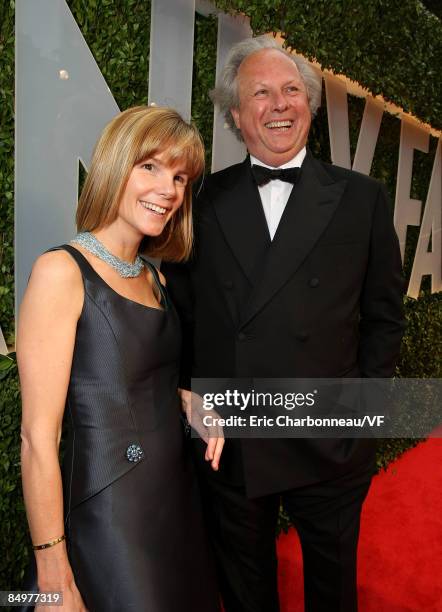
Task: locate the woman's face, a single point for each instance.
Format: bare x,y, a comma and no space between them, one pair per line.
154,192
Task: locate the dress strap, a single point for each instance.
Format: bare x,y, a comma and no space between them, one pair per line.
85,267
159,284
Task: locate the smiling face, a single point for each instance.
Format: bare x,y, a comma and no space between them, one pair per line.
273,115
154,192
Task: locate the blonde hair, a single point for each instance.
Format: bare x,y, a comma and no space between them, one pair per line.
131,137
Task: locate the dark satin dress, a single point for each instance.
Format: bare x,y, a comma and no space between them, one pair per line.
135,533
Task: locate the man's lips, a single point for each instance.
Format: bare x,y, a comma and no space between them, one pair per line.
280,124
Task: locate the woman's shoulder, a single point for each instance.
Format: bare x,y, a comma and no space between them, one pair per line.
55,288
56,267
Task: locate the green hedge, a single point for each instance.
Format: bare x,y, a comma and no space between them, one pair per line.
117,32
7,170
14,537
434,6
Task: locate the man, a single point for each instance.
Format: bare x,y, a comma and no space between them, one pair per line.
288,280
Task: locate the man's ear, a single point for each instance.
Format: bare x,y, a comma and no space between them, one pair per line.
235,114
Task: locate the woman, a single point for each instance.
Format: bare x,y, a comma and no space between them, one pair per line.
121,529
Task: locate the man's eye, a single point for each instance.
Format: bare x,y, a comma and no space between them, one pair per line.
292,89
261,92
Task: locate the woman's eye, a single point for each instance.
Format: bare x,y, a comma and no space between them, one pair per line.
180,179
148,166
261,92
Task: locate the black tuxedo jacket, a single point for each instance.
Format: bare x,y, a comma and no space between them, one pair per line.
323,299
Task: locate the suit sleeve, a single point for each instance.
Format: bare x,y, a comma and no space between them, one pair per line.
382,321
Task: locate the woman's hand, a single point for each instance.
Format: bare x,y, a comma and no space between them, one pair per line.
72,600
212,434
55,576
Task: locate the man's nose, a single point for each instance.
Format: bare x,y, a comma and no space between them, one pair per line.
279,101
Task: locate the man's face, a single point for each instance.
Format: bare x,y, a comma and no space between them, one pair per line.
273,115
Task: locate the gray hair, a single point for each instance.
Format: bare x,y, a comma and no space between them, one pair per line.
225,94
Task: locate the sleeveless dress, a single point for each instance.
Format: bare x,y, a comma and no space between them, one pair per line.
134,527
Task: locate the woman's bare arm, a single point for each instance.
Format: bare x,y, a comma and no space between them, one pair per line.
45,343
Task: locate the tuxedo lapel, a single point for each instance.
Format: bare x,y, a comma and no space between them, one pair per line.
310,208
242,220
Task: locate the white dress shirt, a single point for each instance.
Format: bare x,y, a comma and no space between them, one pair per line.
275,194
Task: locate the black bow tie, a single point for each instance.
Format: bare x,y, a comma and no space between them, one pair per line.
263,175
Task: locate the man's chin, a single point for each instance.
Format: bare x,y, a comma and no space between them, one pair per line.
277,155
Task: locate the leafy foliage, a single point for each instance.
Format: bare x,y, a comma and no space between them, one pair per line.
434,6
7,170
14,537
421,345
203,80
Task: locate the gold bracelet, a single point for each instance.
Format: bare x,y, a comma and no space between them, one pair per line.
49,544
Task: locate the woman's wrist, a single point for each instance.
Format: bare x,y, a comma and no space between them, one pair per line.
49,543
53,567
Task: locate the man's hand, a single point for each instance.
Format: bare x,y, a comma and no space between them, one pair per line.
192,406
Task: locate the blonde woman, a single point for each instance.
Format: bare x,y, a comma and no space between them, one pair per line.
119,528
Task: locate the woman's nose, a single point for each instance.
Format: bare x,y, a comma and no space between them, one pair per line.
167,187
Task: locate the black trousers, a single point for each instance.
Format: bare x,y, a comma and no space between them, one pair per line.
326,516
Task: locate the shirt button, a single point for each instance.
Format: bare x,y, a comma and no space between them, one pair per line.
314,282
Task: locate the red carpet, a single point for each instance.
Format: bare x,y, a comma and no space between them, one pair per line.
400,548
